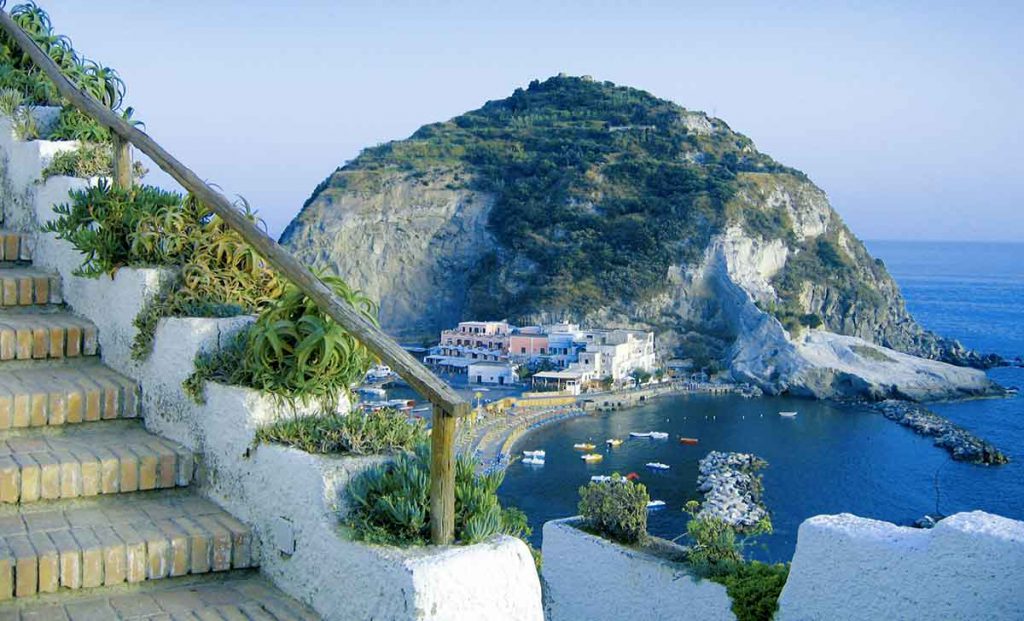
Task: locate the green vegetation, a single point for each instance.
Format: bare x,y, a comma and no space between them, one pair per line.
87,160
293,350
599,189
615,509
824,263
356,433
19,74
218,273
716,553
391,503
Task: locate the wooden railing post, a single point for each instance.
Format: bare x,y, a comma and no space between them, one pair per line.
122,162
442,477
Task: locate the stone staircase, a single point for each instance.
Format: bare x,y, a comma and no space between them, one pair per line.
97,518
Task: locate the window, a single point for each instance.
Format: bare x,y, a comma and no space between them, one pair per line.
522,350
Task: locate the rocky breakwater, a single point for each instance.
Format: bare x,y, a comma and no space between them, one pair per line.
732,489
961,444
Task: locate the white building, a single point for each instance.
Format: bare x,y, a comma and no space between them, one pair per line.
501,373
617,353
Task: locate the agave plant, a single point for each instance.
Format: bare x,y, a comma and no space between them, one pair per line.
296,350
391,502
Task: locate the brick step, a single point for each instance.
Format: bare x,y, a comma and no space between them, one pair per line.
118,539
14,246
116,457
51,334
28,286
38,396
235,596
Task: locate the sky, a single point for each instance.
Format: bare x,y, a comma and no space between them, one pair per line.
908,114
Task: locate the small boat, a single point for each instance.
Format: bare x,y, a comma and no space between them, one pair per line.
592,457
657,465
583,446
688,441
613,442
602,478
639,434
534,461
787,414
656,504
534,454
373,391
632,476
658,435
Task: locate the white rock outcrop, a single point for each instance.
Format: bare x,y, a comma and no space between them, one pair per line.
969,566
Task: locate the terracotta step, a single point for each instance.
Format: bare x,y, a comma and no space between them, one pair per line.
39,335
29,286
237,596
107,542
14,246
38,396
87,461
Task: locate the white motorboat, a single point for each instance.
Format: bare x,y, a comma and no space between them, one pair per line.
534,454
657,465
658,435
787,414
534,461
600,478
656,504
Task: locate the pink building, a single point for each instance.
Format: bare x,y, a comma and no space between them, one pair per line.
528,345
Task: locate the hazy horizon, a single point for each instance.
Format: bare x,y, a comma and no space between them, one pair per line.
907,117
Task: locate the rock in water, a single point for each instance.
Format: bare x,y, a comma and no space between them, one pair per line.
581,200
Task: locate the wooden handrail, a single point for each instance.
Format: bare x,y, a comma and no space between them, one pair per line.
448,405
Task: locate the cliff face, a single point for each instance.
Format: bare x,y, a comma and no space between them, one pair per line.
679,226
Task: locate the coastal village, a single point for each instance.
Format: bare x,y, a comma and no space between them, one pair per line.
198,421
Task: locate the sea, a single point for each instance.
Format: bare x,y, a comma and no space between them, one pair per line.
831,458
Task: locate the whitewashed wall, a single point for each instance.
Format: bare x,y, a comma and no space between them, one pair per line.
594,579
969,566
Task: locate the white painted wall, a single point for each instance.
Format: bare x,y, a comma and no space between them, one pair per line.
589,578
969,566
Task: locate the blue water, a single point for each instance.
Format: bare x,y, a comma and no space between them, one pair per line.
831,458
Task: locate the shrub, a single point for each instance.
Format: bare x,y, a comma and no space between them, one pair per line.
717,554
103,223
754,589
391,503
616,509
88,160
714,548
293,350
356,433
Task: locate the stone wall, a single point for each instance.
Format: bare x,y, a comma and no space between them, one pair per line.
591,578
969,566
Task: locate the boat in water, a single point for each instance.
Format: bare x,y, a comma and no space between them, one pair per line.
592,457
787,414
656,504
541,454
654,435
534,461
606,478
613,442
657,465
690,441
632,476
583,446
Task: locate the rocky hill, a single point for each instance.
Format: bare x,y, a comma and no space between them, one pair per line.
583,200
